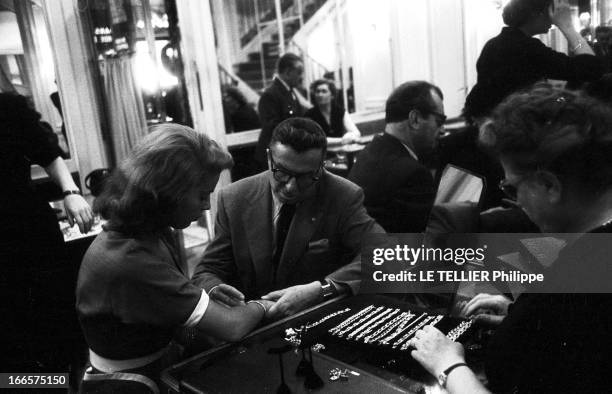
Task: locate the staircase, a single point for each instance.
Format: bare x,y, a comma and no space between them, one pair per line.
259,69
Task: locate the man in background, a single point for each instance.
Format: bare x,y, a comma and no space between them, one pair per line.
398,187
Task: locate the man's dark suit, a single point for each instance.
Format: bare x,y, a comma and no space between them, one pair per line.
275,105
399,191
324,239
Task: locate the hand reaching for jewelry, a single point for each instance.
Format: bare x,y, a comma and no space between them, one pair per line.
434,351
292,299
487,308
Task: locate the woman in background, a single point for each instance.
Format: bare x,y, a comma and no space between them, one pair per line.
133,292
37,305
515,60
556,150
333,119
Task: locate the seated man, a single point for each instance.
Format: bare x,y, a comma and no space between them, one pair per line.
399,189
291,234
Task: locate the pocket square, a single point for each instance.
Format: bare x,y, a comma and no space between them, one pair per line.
319,244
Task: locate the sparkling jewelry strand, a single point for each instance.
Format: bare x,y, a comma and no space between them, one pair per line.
359,322
373,319
384,330
412,331
311,325
351,319
401,329
374,324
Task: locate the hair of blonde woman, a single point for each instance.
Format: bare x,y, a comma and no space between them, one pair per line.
151,182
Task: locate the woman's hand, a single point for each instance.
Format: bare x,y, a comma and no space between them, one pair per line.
560,14
434,351
487,308
79,212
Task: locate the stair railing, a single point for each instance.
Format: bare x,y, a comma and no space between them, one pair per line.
228,78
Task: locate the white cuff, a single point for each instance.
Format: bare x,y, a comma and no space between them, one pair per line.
198,311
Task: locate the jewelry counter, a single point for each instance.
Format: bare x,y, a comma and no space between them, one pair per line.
352,345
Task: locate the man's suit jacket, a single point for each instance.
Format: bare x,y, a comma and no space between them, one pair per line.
399,191
275,105
323,241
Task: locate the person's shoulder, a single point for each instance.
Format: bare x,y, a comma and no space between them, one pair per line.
252,184
338,186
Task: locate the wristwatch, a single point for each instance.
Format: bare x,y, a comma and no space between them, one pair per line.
443,377
328,290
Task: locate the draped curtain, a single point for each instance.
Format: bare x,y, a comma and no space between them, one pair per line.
125,109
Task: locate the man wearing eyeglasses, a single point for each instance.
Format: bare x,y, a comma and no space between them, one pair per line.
398,187
291,234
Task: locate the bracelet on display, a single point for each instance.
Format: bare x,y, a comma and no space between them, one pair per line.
324,319
368,323
384,330
404,326
411,332
351,319
265,310
359,322
389,313
456,332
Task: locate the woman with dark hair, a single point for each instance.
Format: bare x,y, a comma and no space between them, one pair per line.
133,293
514,60
333,119
556,150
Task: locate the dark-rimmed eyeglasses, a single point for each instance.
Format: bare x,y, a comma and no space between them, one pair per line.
303,180
440,118
509,189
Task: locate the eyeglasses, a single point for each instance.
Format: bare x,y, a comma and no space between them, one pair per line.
303,180
510,190
440,118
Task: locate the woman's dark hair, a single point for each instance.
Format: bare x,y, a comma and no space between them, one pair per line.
564,132
156,176
330,85
517,12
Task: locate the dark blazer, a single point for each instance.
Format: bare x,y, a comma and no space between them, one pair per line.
399,191
275,105
324,239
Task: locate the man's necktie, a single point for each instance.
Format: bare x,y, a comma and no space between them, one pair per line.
282,228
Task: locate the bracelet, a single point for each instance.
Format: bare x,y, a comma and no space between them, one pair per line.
260,304
69,192
578,46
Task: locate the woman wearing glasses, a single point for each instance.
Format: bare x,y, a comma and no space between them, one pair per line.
556,150
133,292
333,119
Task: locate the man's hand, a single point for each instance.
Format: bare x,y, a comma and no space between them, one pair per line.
226,295
79,212
434,351
487,308
293,299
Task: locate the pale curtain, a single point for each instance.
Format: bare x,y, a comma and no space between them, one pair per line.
126,114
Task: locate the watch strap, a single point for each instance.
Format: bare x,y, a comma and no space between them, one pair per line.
443,377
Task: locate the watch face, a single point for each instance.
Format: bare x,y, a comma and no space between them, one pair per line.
442,379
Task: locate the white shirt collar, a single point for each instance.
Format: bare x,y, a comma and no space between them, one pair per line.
283,83
411,152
